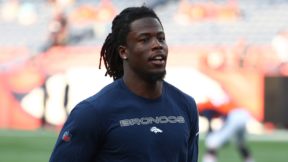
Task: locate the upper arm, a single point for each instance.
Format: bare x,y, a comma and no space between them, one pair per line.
194,133
81,128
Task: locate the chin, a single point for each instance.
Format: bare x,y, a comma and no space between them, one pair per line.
159,76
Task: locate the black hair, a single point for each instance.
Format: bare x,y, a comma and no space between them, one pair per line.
118,36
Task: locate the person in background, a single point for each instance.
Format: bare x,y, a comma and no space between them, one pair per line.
60,33
234,124
139,117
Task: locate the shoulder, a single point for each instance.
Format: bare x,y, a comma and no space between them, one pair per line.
104,101
107,92
188,102
84,113
95,106
175,92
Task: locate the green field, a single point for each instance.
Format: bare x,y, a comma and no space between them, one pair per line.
36,146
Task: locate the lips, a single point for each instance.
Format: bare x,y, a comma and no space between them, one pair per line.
159,59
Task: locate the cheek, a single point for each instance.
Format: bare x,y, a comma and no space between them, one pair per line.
140,52
166,48
137,56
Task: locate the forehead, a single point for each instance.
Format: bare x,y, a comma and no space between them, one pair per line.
145,25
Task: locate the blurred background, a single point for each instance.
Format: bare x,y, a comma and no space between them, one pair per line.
218,50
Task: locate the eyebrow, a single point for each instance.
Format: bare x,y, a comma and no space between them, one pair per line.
148,34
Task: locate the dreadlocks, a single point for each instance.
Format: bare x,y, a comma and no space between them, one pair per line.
120,29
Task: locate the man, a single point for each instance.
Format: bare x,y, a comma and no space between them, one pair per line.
234,126
138,117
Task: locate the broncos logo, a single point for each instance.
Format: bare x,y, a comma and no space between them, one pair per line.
155,130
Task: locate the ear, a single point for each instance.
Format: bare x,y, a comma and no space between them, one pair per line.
122,52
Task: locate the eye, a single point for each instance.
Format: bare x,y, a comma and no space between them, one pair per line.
144,39
161,39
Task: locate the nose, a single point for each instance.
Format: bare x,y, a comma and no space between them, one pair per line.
157,44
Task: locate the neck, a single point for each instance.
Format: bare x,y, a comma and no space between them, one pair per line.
144,88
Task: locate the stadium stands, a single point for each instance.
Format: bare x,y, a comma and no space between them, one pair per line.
255,21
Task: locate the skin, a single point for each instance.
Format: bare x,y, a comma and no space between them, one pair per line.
144,58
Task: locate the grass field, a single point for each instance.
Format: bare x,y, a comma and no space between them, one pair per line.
36,146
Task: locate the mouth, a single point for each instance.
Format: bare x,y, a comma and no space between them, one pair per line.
158,60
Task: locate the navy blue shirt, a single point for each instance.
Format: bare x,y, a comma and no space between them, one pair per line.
116,125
